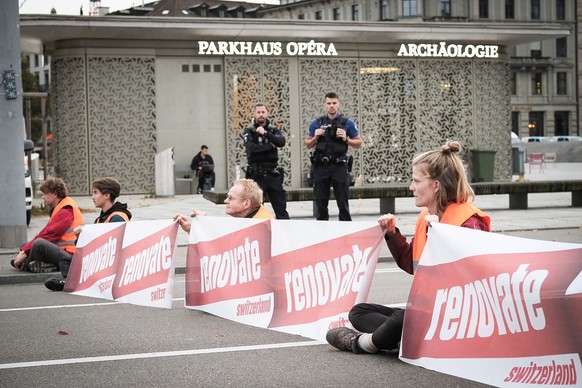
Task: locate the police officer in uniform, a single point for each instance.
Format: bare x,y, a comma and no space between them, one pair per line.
331,135
262,141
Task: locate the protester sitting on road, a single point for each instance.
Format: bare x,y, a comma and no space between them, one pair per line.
440,187
105,191
244,200
53,247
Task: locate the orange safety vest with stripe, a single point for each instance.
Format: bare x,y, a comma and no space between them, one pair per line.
121,214
455,214
67,240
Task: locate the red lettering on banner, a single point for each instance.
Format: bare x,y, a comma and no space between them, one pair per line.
342,322
326,281
149,261
105,285
251,308
158,294
236,266
551,374
99,259
481,307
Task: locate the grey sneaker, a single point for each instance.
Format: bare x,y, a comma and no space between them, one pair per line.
343,338
38,266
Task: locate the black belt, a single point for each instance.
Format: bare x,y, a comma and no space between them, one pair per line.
257,169
321,160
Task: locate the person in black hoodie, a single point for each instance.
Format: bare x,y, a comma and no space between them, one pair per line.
105,192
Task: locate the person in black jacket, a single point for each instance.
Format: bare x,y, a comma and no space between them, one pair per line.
262,141
203,165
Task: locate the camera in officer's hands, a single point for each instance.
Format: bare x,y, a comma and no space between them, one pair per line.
330,130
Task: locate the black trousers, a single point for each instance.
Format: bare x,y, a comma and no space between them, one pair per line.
332,175
272,185
385,323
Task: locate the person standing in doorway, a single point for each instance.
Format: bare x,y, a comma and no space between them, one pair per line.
262,141
331,135
203,165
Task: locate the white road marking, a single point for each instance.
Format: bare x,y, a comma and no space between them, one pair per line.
136,356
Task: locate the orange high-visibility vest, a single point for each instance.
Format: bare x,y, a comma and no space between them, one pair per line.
264,214
67,240
121,214
455,214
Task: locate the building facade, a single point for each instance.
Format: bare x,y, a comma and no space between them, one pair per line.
126,88
544,78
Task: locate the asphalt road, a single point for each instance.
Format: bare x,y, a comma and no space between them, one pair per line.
57,339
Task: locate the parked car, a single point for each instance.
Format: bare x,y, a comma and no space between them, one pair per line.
567,138
536,139
28,146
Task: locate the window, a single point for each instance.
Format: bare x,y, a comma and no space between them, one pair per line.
561,123
318,15
484,9
384,10
536,84
185,68
355,12
207,68
535,9
203,12
537,119
562,47
221,13
513,83
409,7
509,9
536,53
217,68
561,84
336,14
515,122
446,8
240,14
301,16
195,68
560,9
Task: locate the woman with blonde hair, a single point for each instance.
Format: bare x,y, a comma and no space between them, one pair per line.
440,187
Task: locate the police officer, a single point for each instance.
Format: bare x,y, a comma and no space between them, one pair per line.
262,142
331,135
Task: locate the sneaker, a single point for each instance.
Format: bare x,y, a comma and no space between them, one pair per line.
38,266
55,284
343,338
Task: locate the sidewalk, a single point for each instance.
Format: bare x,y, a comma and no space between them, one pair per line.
547,212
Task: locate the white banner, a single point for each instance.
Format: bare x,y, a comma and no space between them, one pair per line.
129,262
500,310
299,277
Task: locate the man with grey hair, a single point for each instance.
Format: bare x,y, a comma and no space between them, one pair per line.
244,200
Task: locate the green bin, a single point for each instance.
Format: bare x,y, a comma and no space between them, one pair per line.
483,165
